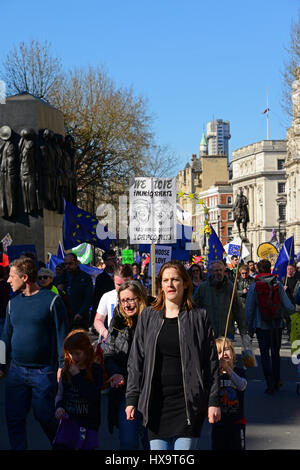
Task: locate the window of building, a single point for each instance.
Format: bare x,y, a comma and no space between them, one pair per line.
229,215
282,212
229,200
281,187
229,230
280,164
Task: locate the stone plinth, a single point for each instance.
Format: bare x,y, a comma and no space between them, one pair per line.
25,110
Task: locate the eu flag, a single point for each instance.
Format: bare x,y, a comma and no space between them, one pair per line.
80,226
285,257
215,247
60,251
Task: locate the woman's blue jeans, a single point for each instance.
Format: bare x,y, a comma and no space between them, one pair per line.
26,387
175,443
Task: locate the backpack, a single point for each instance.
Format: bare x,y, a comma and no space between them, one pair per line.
267,290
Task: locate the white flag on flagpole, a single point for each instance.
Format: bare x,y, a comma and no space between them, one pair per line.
233,248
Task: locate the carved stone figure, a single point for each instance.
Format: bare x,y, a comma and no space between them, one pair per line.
42,165
28,170
241,215
49,169
9,174
71,171
57,143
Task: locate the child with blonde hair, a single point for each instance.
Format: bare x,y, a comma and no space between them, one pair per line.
229,432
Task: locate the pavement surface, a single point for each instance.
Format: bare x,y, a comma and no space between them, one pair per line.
273,422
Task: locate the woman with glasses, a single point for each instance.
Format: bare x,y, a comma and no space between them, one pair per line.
46,278
196,275
173,368
243,283
132,299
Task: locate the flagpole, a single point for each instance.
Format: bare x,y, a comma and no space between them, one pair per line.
153,270
285,282
267,117
232,297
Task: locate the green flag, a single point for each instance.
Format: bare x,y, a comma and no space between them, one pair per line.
127,256
84,253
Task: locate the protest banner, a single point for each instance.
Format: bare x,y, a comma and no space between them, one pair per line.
152,210
163,254
152,214
6,241
127,257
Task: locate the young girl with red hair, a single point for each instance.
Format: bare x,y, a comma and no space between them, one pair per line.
78,401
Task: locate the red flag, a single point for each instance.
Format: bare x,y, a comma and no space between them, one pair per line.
5,260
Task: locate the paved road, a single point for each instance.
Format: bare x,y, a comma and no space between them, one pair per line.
273,421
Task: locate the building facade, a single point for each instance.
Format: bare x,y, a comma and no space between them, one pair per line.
292,167
259,169
218,135
207,178
218,199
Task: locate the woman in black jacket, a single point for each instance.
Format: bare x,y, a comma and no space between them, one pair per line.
173,370
132,297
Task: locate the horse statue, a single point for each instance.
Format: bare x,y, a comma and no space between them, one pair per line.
241,215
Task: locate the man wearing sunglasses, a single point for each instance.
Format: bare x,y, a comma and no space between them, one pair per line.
79,288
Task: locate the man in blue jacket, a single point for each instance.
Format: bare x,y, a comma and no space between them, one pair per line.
79,288
34,330
266,320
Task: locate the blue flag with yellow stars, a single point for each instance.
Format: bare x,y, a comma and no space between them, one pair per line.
80,226
215,247
285,257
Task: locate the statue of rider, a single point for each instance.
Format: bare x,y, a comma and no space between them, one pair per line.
241,214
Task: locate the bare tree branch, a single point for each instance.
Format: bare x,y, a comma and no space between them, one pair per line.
293,61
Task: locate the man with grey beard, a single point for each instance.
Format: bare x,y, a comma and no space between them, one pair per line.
214,295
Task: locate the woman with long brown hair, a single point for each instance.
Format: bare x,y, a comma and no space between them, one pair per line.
173,376
132,299
196,275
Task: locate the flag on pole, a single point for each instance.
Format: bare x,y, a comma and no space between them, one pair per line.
91,270
80,226
285,257
233,248
216,249
60,252
265,111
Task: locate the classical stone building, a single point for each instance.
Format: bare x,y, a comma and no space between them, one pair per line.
292,167
259,170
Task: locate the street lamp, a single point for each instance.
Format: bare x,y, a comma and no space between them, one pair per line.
281,234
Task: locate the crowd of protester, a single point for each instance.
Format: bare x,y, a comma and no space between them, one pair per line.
163,360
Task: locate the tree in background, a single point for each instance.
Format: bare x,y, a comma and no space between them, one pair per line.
33,69
111,126
161,162
111,129
290,66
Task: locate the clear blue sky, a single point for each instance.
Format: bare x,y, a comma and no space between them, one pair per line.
194,61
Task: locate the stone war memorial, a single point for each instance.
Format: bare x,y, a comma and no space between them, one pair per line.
37,172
